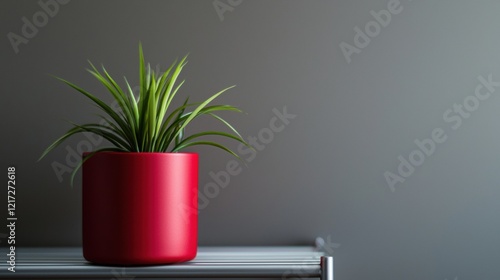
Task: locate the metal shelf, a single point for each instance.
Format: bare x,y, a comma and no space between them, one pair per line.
211,262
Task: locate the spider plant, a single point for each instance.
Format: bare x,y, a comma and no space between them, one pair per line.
145,124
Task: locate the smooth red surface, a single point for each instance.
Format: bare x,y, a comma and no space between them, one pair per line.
140,208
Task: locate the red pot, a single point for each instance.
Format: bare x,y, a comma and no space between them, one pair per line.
140,208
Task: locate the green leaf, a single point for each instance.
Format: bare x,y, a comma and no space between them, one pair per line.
176,125
199,108
146,123
181,134
103,106
209,144
226,123
168,95
105,133
142,77
208,133
60,140
121,98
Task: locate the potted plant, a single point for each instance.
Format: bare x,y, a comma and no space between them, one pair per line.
140,194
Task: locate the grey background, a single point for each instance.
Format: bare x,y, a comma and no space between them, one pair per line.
323,174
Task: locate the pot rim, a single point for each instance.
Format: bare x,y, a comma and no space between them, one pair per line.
143,153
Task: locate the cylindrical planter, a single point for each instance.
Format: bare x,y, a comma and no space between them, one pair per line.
140,208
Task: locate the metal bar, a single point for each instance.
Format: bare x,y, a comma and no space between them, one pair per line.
326,268
212,262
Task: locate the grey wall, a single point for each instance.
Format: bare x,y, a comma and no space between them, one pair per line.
323,174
